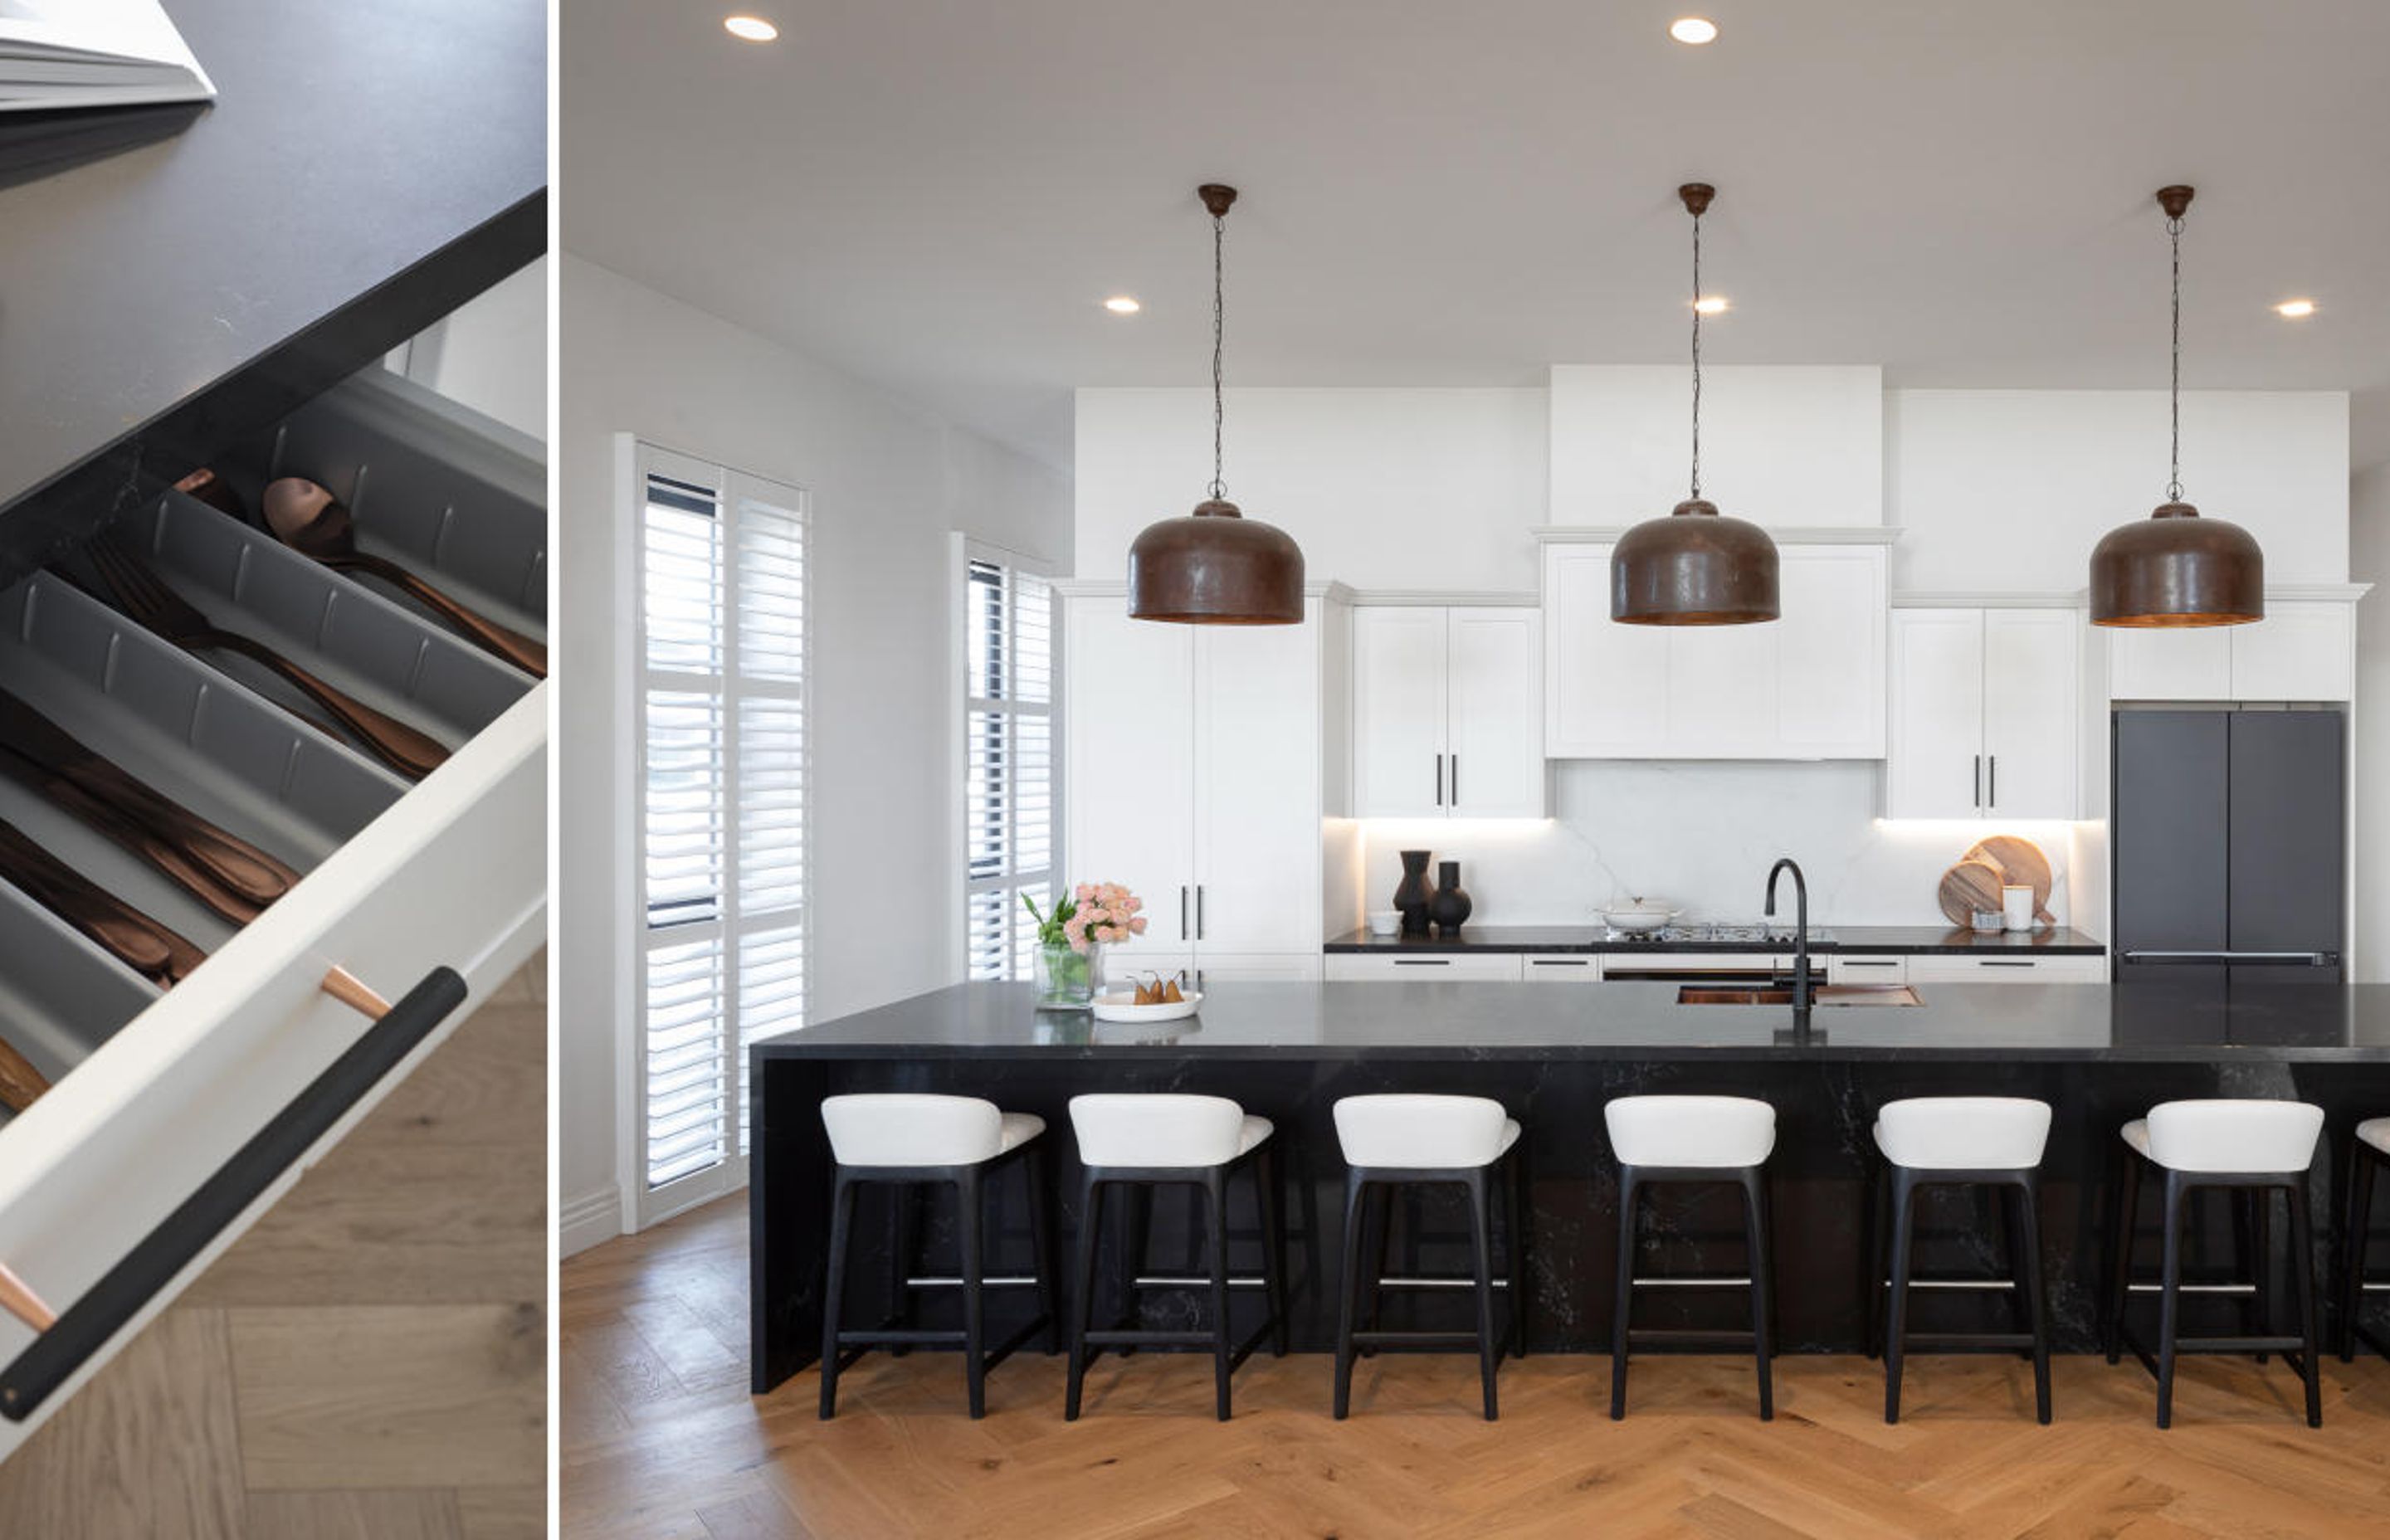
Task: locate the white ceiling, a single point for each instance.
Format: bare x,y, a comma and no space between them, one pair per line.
934,195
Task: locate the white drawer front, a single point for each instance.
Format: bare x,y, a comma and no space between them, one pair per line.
2009,971
1857,970
1348,967
1576,968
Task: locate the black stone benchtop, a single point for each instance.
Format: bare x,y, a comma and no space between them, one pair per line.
2154,1022
1914,940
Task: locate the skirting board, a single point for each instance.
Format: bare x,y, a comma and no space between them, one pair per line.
587,1220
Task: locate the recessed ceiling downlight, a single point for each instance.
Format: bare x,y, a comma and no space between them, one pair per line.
750,29
1692,29
2296,310
1123,304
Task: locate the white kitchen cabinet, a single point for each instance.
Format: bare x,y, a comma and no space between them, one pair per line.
2304,650
1195,774
1347,968
1947,968
1983,713
1808,686
1447,706
1560,968
207,1100
1851,967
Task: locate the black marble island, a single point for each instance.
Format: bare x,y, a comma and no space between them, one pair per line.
2098,1053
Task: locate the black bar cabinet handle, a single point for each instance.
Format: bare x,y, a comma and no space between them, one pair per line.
1456,780
2004,962
1182,911
1979,780
1439,780
85,1327
1423,962
1992,776
1199,911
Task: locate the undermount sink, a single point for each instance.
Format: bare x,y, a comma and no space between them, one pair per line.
1825,995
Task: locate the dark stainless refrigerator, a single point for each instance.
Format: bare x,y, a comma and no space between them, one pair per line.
2229,835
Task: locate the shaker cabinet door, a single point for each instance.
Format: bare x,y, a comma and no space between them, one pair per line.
1398,712
1493,758
2032,688
1257,791
1129,769
1935,767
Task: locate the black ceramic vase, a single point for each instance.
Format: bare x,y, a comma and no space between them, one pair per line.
1449,907
1411,896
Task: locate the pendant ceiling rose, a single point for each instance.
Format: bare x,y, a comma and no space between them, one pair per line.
1695,567
1213,566
2174,567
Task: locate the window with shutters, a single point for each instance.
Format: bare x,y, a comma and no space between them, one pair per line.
1008,760
721,734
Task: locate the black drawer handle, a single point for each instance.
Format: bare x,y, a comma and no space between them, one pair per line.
1560,962
85,1327
1871,962
2004,962
1423,962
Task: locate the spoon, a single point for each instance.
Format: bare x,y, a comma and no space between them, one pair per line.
21,1083
309,520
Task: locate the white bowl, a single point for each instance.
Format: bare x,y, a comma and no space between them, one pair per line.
1638,916
1123,1008
1385,922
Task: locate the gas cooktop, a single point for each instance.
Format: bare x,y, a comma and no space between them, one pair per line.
1754,933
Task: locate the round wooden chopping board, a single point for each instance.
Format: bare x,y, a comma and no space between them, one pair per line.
2022,863
1971,885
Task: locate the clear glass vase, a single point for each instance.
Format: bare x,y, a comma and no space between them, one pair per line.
1068,980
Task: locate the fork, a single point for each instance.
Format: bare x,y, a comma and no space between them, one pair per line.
144,596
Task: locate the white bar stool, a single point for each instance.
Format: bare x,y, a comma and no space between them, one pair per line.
906,1140
2371,1156
2258,1146
1680,1139
1402,1140
1139,1140
1960,1141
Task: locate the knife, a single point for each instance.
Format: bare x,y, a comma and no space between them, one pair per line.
127,935
226,873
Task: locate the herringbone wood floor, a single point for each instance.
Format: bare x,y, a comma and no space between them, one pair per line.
662,1442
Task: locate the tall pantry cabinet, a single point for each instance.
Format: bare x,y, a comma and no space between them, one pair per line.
1198,763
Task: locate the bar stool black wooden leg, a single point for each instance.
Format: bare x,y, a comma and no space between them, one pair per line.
2169,1297
1377,1225
1273,1222
967,1237
1877,1258
2302,1279
1216,1197
1481,1236
1623,1309
1041,1238
2028,1232
2363,1165
901,1252
1083,1294
1895,1330
1762,1292
2120,1275
842,1219
1518,1207
1348,1306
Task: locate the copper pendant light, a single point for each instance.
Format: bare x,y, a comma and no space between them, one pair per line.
1216,567
1696,567
2174,567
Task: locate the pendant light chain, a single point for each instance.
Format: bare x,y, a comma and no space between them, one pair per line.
2174,481
1219,313
1697,357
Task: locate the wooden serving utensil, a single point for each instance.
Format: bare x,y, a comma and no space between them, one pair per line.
215,491
19,1299
309,520
1967,887
21,1083
2021,865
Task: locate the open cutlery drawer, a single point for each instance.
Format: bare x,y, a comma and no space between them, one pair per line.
176,1112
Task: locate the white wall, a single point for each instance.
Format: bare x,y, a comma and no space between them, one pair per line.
1383,488
1780,446
1701,835
2368,561
490,352
2011,489
888,484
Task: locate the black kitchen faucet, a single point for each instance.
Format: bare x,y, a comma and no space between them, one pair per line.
1800,936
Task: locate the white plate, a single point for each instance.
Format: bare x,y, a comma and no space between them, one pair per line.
1118,1007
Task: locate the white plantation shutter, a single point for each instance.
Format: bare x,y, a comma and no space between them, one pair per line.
1008,760
722,828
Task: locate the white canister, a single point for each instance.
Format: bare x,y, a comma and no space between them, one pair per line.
2017,902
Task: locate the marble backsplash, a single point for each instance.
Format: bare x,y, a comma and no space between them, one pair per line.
1703,834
